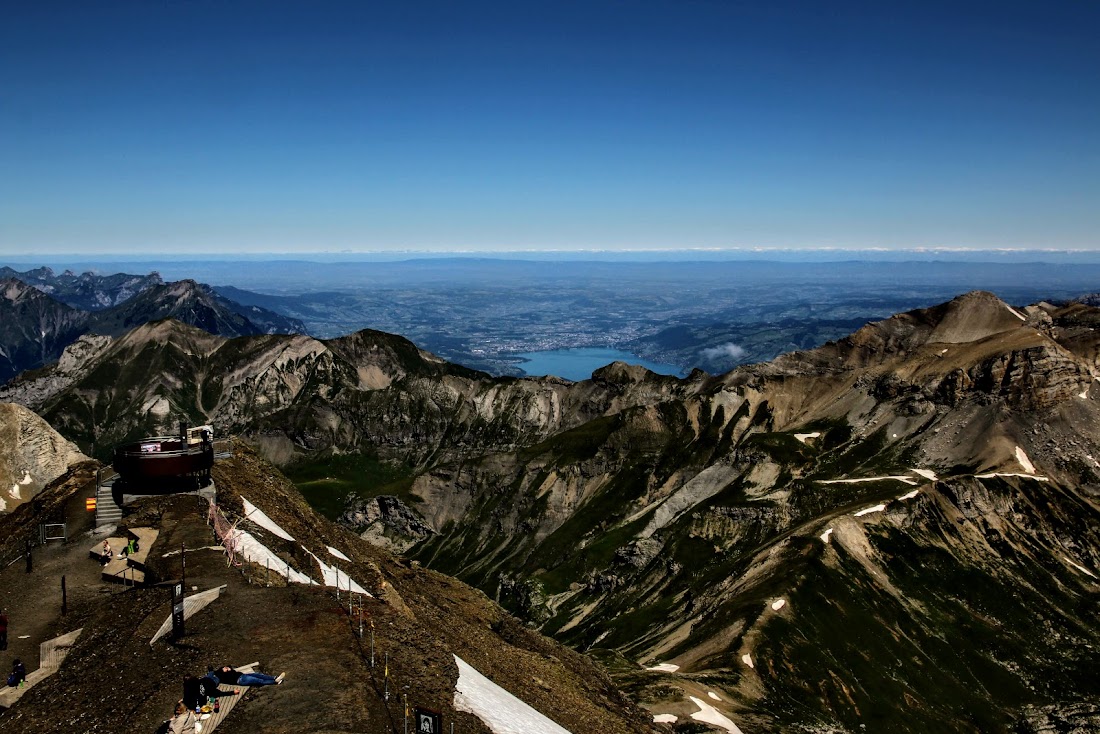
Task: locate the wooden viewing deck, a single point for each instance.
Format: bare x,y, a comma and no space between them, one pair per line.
51,654
126,569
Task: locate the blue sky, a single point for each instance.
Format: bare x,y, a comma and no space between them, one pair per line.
220,126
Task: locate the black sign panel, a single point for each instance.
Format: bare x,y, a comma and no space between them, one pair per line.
428,722
177,611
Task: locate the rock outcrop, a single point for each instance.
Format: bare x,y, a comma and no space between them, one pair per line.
33,455
385,521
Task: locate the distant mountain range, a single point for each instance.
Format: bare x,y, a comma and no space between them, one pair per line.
42,313
87,291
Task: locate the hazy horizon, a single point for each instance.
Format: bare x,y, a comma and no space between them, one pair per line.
641,255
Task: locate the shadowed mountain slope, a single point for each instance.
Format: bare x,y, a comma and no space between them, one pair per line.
34,328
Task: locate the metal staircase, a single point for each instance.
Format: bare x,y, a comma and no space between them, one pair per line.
106,511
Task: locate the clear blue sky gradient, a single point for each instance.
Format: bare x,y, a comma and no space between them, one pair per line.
219,125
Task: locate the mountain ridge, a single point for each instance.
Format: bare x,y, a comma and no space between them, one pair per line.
37,327
849,509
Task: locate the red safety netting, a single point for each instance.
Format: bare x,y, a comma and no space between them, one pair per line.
226,532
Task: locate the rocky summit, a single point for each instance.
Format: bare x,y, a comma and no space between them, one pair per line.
896,531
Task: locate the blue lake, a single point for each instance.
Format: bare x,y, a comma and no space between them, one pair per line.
578,364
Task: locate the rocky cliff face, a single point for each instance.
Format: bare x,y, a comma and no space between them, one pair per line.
896,530
33,455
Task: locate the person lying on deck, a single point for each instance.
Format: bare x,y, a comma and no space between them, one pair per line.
230,677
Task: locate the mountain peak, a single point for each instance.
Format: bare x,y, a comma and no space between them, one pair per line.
15,290
973,316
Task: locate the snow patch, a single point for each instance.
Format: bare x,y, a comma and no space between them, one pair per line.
158,406
907,480
825,536
869,510
498,709
910,495
15,492
926,473
990,475
664,718
747,660
711,715
1079,567
778,604
256,552
3,505
332,576
1016,313
665,668
337,553
1084,394
943,352
713,695
699,488
803,436
1024,461
26,478
257,516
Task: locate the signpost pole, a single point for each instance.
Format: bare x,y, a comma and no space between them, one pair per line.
177,611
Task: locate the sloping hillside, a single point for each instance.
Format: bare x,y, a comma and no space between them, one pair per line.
114,681
868,533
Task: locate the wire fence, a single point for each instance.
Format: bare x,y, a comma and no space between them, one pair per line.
356,607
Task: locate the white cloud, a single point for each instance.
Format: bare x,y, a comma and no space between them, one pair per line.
729,350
